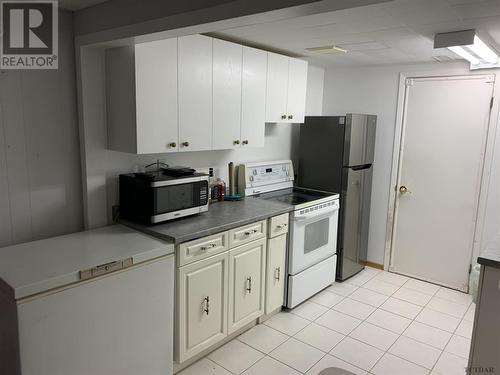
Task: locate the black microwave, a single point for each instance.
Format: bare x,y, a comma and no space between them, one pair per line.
150,198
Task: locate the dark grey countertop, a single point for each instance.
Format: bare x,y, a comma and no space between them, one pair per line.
490,256
221,216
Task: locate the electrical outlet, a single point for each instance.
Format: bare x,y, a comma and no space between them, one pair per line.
204,170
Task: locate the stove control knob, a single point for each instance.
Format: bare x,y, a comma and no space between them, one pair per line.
254,172
251,178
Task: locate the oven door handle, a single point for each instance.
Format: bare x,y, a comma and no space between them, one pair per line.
315,214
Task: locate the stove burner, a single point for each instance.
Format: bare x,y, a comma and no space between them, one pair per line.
295,196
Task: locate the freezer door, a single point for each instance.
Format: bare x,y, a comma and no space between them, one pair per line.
354,220
320,153
359,142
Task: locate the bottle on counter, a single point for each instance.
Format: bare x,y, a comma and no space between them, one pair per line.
213,186
221,189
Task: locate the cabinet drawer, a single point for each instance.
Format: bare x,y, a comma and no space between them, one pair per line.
202,248
247,233
278,225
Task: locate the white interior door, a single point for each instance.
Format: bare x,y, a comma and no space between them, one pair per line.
444,132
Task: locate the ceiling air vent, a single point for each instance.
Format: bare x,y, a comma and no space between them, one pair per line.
327,49
443,58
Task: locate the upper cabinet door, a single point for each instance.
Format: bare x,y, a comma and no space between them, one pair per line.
195,93
253,97
297,86
277,87
156,96
226,94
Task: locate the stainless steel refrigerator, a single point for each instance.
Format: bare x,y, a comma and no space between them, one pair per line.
336,155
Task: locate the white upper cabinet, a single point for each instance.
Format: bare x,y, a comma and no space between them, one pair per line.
253,97
195,92
141,87
277,87
226,94
286,89
297,86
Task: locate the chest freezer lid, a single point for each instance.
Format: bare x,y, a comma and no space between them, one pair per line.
38,266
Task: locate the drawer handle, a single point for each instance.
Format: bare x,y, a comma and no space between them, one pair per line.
206,301
277,273
281,226
211,246
253,231
249,285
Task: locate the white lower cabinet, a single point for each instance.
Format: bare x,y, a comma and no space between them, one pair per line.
275,273
201,305
219,294
247,268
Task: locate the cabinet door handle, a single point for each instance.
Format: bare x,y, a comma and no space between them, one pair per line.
249,284
245,142
290,117
185,144
211,246
283,117
206,302
253,231
237,142
281,226
277,273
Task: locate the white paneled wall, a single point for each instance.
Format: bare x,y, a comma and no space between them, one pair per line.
40,179
374,90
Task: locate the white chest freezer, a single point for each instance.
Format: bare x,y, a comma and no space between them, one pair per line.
98,302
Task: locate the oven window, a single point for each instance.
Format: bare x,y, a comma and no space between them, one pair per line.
316,235
174,198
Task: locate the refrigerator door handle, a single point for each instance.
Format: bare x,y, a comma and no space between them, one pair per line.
361,167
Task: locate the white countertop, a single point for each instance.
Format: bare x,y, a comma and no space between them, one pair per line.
38,266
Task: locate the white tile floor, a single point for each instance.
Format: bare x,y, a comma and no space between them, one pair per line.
375,323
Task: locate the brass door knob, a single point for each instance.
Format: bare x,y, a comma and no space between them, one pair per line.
237,142
185,144
245,142
172,144
403,189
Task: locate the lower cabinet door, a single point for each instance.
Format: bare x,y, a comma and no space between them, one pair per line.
201,318
276,273
246,283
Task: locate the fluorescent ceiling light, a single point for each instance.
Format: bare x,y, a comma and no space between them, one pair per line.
469,46
464,54
483,51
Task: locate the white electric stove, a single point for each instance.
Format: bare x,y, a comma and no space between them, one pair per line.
313,226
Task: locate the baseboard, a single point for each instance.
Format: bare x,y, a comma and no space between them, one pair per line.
374,265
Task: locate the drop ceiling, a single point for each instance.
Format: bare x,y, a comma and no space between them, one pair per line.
395,32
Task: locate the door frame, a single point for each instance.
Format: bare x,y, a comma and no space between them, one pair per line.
397,148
